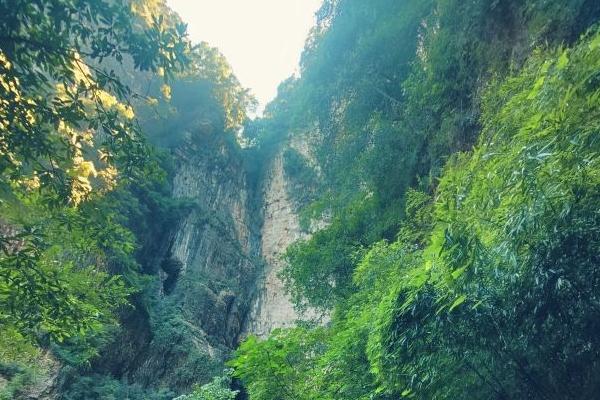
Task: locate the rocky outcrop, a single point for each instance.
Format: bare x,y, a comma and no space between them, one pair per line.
272,307
207,270
215,269
206,266
215,244
45,384
39,382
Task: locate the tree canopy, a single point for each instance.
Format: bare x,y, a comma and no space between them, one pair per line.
68,137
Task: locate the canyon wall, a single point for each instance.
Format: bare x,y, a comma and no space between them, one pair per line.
213,271
215,245
272,307
204,269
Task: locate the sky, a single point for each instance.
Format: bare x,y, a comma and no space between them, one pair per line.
261,39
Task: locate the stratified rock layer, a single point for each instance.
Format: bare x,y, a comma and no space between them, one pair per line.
272,307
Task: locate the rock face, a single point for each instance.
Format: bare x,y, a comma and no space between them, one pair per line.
44,387
272,308
220,268
42,384
206,263
233,242
215,269
215,244
207,269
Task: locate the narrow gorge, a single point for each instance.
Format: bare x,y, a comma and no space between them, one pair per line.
217,267
412,214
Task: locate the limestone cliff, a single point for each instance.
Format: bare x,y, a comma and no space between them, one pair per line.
203,268
214,245
272,307
215,270
207,269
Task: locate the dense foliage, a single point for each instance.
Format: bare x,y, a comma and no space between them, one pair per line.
67,137
459,172
86,89
155,353
419,103
218,389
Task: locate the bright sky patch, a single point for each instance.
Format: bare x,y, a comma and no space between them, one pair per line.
261,39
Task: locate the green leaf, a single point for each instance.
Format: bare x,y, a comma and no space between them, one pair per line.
461,299
480,302
536,88
563,61
458,272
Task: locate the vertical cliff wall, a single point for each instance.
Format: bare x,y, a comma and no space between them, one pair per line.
204,268
208,270
214,246
214,272
272,307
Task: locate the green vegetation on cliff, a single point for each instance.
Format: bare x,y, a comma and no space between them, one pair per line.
459,151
